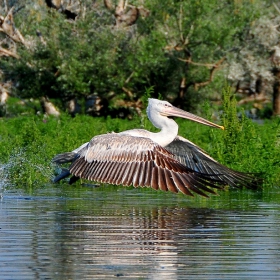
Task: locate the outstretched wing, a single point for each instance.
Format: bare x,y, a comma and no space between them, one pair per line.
70,156
138,161
193,157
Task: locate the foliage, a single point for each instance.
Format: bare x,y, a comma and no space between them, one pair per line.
248,146
175,43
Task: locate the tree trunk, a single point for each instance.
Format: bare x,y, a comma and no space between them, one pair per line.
276,95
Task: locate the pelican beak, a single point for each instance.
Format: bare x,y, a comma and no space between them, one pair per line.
176,112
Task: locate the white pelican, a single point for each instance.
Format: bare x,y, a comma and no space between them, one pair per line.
161,160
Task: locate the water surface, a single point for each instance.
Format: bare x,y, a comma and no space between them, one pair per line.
66,232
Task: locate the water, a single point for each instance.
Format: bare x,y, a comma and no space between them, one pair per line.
68,232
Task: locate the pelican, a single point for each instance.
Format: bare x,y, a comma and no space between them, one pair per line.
162,160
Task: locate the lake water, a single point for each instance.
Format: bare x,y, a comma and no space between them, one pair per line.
68,232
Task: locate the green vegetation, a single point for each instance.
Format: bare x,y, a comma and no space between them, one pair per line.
29,143
185,50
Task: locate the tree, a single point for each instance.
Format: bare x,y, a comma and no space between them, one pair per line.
255,64
113,51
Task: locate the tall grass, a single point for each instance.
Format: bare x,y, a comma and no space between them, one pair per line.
249,146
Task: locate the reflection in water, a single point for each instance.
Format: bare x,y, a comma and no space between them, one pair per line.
135,237
130,241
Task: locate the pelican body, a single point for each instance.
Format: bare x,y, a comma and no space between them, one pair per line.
161,160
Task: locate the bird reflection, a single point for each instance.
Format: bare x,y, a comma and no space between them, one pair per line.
125,240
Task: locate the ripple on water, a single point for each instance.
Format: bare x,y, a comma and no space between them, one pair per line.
82,233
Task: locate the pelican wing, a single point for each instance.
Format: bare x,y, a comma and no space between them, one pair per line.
70,156
193,157
127,160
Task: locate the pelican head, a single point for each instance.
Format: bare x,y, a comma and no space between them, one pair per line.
157,108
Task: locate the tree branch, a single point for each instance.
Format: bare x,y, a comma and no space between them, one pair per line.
128,92
7,26
212,71
215,65
4,52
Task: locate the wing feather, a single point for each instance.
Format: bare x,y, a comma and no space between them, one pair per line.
148,172
96,169
143,173
128,174
193,157
169,182
162,180
154,180
180,185
129,178
136,175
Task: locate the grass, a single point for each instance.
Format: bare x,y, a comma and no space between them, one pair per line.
28,143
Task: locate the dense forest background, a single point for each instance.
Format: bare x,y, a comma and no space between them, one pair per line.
106,57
